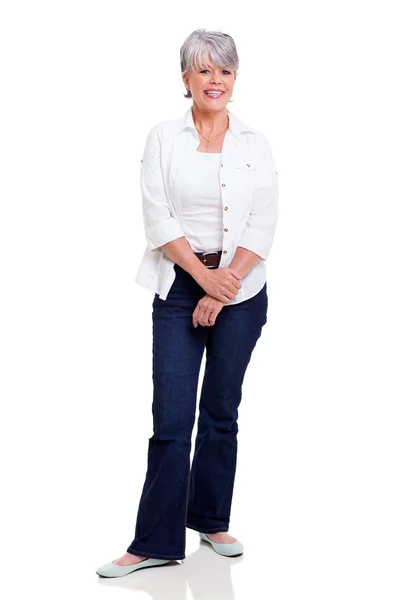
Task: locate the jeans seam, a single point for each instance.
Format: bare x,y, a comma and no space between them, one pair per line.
209,531
179,556
173,395
187,503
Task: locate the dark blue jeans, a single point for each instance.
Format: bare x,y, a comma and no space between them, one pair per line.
176,495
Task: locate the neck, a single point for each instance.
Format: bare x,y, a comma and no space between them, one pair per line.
210,122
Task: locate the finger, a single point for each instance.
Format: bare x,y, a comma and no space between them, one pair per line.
206,316
230,294
234,273
202,318
222,294
234,285
223,299
210,318
229,288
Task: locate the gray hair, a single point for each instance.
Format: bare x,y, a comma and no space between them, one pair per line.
200,43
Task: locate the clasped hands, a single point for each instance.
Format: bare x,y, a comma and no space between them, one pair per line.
221,286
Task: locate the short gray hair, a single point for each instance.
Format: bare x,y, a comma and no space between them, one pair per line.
200,43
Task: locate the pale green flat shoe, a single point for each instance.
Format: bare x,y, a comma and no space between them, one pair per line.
113,570
234,549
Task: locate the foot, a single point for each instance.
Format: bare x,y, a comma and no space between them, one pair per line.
222,537
129,559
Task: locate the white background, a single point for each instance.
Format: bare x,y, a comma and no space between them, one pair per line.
317,487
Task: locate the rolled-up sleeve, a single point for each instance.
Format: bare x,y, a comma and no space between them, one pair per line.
261,224
159,224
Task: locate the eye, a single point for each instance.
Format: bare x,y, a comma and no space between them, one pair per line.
224,71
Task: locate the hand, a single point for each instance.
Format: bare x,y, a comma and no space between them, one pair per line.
222,283
206,311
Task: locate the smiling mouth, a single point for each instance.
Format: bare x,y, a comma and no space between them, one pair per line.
214,94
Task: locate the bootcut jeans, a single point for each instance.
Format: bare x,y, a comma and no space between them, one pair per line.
176,494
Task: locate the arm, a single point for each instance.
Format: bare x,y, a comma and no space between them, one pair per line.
180,252
261,225
244,261
164,233
159,225
223,284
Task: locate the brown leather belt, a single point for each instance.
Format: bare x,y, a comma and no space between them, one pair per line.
210,259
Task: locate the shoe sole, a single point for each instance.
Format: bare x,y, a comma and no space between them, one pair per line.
114,570
220,548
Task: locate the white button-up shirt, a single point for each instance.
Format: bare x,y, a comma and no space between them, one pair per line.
249,199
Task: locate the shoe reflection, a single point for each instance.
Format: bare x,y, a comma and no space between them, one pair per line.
202,575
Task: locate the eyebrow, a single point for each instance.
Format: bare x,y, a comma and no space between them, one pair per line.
224,67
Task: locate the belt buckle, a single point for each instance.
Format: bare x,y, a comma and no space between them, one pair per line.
204,253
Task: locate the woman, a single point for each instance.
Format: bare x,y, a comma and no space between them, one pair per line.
210,208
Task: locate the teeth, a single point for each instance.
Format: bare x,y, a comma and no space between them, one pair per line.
214,93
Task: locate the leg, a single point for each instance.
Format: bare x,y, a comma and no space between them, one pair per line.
177,353
229,344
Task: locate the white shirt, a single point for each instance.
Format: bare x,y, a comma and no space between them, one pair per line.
201,205
249,198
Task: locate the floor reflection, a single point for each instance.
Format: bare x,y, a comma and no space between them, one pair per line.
203,574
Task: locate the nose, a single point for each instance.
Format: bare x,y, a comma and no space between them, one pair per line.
214,77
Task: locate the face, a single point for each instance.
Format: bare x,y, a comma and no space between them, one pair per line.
216,78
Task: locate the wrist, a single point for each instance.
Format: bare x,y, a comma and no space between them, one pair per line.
198,271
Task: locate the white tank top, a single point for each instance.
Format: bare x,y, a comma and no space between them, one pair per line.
201,203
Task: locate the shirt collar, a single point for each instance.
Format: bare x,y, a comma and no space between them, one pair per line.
236,126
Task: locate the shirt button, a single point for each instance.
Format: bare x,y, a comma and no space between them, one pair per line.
222,164
226,229
225,208
223,185
248,165
225,251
